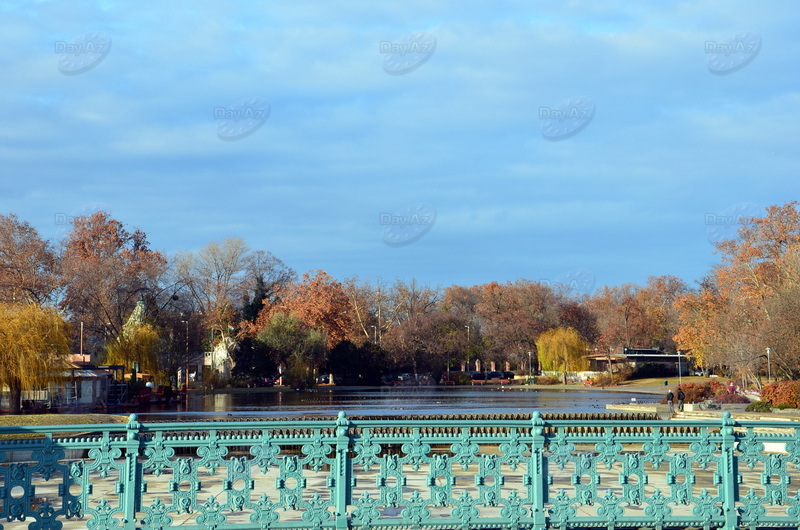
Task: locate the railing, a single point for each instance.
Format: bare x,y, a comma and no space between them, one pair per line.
409,473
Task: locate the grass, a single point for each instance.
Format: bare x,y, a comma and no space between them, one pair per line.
33,420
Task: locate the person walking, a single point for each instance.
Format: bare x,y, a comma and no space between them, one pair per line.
681,398
671,401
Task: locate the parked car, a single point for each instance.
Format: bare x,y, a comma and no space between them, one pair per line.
508,377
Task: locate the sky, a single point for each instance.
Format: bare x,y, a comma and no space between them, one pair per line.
575,142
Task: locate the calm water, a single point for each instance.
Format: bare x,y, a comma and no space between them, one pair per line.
391,401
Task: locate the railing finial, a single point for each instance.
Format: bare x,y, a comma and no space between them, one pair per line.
342,423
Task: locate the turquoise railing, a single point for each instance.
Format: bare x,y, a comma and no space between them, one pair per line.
403,473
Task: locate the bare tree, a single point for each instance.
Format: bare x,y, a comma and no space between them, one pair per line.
107,269
28,264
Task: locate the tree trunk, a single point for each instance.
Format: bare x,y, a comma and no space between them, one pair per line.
15,396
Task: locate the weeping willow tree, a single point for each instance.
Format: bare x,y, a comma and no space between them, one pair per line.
562,349
140,343
34,349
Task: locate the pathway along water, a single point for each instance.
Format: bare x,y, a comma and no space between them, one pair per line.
390,401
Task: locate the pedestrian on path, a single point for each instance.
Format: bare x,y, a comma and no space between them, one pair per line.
671,401
681,398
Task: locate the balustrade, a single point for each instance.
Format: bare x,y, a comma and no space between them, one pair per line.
403,473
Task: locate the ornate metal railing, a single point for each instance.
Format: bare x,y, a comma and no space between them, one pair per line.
409,473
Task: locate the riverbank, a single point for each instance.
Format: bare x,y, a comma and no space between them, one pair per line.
32,420
643,386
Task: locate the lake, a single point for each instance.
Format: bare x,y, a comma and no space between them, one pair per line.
390,401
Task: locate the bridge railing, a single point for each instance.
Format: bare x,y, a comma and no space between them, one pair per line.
405,473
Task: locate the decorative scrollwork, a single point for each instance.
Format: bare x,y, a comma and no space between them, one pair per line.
366,451
157,515
366,511
317,452
416,451
465,449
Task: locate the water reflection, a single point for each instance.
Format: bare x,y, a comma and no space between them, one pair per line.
392,401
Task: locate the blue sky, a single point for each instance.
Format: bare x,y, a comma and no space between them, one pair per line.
583,142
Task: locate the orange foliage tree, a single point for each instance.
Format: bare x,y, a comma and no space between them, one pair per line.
513,315
747,303
319,301
28,264
107,269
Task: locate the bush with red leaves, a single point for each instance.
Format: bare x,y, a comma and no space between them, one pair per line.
730,399
782,394
698,392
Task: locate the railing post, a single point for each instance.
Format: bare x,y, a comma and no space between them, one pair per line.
730,475
131,479
342,488
537,472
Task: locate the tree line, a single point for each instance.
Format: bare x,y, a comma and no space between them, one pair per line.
105,292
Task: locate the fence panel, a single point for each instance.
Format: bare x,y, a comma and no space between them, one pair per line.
445,472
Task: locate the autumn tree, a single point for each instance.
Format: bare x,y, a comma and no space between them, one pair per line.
782,332
228,282
297,346
751,305
407,300
138,342
214,278
265,276
319,301
562,349
107,269
657,298
512,315
28,263
34,342
754,263
428,341
572,314
697,332
367,311
461,301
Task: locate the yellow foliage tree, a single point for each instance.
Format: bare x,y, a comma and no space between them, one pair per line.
562,349
34,349
698,317
138,343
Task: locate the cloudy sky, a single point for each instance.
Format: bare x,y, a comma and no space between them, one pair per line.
584,142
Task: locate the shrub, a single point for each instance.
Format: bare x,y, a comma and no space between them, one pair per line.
547,380
759,406
786,393
605,379
602,380
730,399
460,378
697,392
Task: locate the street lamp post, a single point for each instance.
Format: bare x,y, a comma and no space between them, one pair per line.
769,367
467,365
529,367
680,375
375,331
186,360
